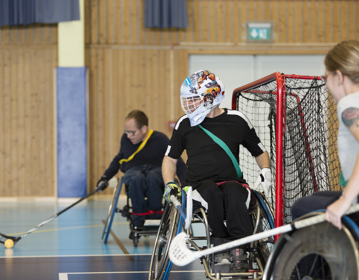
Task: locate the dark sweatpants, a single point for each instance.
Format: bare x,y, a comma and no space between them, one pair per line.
227,200
317,201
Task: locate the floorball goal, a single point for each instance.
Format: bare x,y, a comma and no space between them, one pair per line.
295,118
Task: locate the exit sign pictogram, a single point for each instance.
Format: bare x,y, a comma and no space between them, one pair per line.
259,31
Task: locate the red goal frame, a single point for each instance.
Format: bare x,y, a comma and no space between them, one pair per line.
280,80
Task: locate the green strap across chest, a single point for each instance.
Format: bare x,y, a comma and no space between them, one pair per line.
226,149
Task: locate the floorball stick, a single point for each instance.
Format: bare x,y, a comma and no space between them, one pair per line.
178,205
181,255
187,217
10,241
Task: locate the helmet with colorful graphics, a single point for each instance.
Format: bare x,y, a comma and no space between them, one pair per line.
201,92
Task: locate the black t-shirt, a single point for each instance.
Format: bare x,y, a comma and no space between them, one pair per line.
206,159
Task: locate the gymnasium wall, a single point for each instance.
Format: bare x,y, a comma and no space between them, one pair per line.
28,57
132,67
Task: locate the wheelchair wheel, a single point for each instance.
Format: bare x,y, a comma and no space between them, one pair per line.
111,212
160,263
262,219
316,252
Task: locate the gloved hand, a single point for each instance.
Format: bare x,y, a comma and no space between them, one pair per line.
102,184
171,188
264,181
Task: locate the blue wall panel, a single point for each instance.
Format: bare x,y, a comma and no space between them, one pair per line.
71,132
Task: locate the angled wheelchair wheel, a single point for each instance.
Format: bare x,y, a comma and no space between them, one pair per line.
160,263
316,252
262,219
111,211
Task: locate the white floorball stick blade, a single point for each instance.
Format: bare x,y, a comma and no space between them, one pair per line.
181,255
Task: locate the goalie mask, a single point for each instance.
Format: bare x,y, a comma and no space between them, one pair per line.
200,94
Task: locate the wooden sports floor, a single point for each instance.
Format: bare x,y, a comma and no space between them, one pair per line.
70,246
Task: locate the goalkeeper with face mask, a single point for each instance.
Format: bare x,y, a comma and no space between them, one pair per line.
212,137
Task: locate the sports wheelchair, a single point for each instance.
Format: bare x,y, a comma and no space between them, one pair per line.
319,251
149,228
172,223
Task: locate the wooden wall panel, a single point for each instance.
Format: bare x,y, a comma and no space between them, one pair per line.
26,67
28,56
300,22
6,97
336,20
35,34
333,161
352,20
2,125
28,120
27,117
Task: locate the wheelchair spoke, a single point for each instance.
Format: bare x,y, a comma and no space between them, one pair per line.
313,265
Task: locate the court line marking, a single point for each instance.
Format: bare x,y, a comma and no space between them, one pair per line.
67,256
119,243
64,275
67,228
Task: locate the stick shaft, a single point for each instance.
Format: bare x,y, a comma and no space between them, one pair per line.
265,234
178,205
321,218
244,240
58,214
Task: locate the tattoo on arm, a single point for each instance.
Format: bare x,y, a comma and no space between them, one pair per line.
351,116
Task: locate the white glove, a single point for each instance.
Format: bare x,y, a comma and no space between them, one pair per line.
264,182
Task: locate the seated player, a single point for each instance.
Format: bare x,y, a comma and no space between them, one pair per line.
140,159
342,81
213,172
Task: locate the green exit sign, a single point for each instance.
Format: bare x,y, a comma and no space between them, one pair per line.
259,31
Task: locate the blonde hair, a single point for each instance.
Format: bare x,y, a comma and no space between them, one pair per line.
345,58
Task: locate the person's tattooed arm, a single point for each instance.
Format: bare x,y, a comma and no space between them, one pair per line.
350,118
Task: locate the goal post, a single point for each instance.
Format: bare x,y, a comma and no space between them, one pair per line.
294,116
